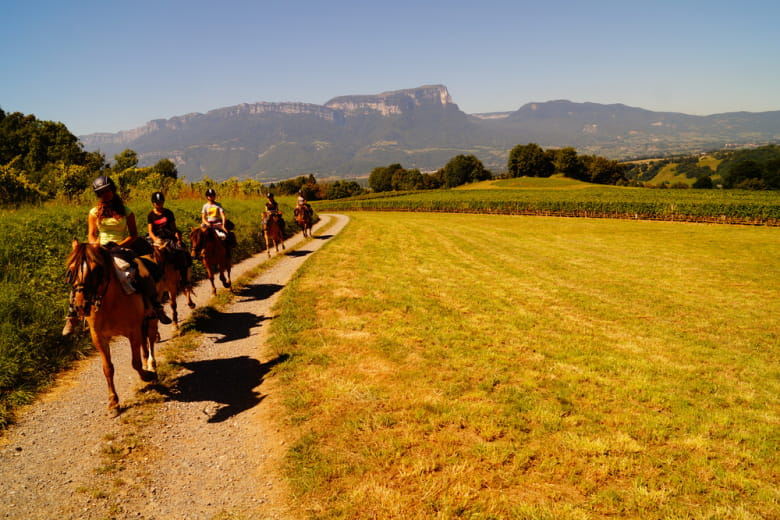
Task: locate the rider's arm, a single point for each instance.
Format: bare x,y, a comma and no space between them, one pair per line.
132,231
93,233
224,219
151,233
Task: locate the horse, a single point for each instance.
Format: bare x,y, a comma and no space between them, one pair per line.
175,278
272,231
214,254
304,220
99,298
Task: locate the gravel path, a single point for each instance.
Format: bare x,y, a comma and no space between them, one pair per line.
202,447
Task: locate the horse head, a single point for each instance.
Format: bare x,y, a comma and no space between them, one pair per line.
88,270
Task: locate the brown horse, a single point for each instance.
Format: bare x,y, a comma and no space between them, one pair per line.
304,220
214,254
272,231
99,298
175,278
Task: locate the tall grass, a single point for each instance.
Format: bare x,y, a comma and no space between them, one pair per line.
33,292
451,366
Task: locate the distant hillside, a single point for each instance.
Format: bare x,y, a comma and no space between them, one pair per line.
419,128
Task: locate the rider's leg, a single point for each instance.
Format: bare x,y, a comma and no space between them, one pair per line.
149,290
72,319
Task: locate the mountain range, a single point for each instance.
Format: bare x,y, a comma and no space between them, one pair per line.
420,128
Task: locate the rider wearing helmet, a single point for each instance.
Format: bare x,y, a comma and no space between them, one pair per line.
213,216
162,222
162,230
112,225
271,209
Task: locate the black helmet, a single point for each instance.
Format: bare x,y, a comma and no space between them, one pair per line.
157,196
211,193
103,183
270,195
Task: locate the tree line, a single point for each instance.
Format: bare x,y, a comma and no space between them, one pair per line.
528,160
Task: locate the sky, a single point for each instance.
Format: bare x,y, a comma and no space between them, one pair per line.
112,65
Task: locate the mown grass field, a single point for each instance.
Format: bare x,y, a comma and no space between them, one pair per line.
492,367
559,196
34,294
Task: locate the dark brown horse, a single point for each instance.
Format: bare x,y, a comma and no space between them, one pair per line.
175,277
304,219
272,231
214,254
110,312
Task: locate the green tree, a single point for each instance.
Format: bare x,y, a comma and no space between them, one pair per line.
127,159
568,163
166,168
529,161
703,183
462,169
381,178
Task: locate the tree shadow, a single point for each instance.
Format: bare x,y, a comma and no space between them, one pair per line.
230,383
256,292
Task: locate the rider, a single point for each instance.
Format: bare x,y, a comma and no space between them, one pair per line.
272,208
213,215
161,223
303,205
112,225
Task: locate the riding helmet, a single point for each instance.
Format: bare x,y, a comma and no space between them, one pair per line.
211,193
103,183
158,197
270,195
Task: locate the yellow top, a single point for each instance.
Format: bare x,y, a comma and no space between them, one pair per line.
111,229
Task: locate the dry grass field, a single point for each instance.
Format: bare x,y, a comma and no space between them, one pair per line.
491,367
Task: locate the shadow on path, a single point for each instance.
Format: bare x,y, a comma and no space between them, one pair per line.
260,291
231,325
298,253
230,383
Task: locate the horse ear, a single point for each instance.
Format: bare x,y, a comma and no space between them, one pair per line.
75,243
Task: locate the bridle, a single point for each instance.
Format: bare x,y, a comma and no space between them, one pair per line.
89,283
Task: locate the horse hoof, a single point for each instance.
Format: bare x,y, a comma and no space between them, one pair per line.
114,411
191,305
148,376
226,284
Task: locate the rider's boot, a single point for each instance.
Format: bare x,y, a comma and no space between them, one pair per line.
150,291
70,325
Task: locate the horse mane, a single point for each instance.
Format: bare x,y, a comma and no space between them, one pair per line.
85,253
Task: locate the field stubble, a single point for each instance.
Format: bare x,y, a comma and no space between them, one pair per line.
512,367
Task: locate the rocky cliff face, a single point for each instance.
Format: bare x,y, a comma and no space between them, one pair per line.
419,128
393,103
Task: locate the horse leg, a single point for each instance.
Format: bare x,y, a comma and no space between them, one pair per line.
267,245
150,333
108,371
174,309
142,342
190,303
210,274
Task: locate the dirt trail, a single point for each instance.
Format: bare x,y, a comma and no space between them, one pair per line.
207,450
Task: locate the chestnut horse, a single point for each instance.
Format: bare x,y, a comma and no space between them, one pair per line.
99,298
272,231
214,254
175,278
304,220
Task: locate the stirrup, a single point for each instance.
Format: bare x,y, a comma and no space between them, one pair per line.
161,316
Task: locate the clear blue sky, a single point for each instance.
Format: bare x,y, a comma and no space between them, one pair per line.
110,65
